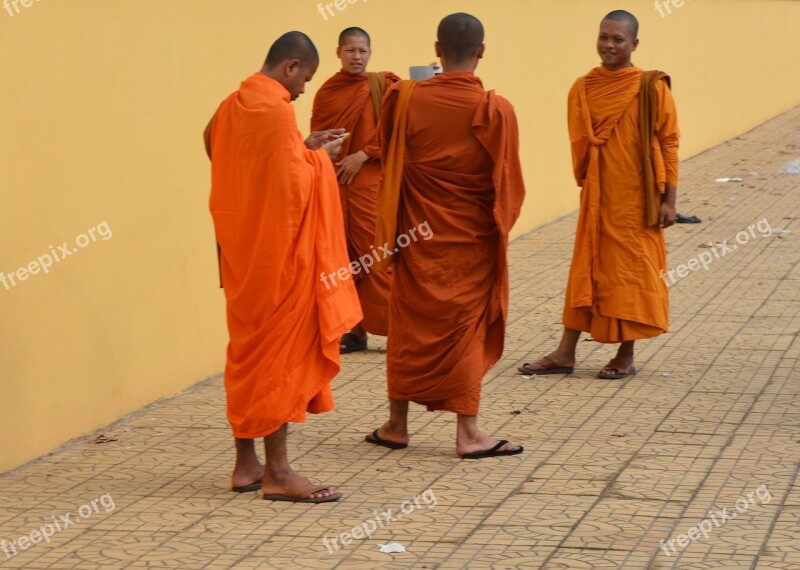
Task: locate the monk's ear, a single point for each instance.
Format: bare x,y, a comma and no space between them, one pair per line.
292,67
635,44
438,49
339,52
481,50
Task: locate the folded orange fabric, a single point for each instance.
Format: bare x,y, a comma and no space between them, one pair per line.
278,221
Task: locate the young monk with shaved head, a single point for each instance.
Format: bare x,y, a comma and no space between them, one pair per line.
278,222
624,133
351,100
451,160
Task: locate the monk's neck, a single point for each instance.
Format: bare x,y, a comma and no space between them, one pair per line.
468,68
618,67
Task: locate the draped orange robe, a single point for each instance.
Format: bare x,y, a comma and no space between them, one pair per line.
461,175
278,222
614,290
344,101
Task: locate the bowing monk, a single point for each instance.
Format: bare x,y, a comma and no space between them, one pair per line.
351,100
451,161
278,222
624,134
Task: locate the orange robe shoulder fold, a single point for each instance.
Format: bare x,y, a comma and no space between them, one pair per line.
345,101
278,222
615,289
461,184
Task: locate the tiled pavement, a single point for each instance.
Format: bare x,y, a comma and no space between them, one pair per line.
611,468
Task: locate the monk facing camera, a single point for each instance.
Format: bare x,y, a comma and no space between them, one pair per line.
351,99
451,159
624,133
278,222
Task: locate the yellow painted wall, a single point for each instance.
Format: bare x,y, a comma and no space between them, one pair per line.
102,103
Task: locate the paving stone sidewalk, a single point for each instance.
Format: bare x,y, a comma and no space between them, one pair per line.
708,430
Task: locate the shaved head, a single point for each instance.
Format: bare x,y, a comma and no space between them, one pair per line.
348,32
627,18
460,37
293,45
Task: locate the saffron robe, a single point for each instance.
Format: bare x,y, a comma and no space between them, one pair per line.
278,222
615,291
345,101
461,175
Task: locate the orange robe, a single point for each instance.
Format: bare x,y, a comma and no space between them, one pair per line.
461,175
278,222
614,290
344,101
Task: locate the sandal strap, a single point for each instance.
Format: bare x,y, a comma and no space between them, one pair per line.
296,491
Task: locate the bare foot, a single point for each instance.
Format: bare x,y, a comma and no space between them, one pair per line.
245,475
478,442
292,484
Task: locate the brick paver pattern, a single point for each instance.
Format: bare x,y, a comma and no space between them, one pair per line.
610,470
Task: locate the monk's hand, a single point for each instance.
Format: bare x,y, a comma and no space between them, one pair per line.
668,212
318,138
333,148
350,165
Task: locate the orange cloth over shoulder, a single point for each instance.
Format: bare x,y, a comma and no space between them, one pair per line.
461,193
278,221
344,101
615,289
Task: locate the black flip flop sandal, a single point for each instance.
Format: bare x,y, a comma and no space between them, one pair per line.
378,440
494,452
351,344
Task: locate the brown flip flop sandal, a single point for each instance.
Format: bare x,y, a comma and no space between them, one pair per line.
301,492
550,367
617,374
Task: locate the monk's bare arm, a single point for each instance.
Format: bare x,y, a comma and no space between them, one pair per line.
668,138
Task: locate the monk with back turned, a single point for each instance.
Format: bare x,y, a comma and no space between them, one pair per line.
451,161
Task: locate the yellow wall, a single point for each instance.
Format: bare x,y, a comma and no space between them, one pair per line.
101,107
